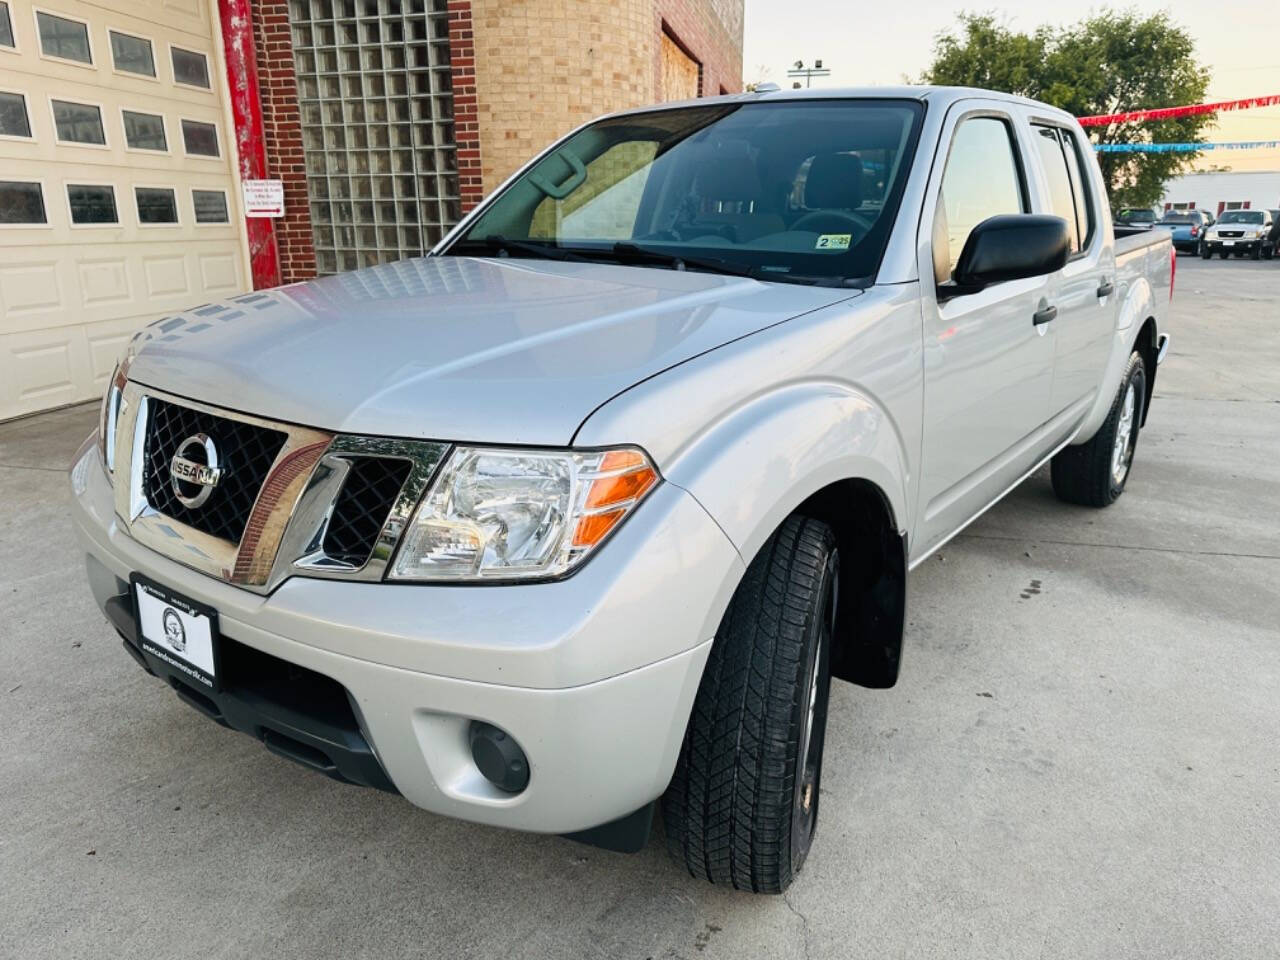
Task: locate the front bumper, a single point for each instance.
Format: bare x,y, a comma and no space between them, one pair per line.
1247,244
594,676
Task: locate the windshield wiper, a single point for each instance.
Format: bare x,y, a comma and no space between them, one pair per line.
635,252
500,244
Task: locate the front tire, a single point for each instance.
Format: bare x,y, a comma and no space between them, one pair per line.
1093,474
1205,252
743,803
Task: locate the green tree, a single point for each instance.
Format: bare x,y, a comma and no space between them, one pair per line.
1108,63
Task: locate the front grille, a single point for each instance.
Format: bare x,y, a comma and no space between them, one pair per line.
362,507
245,454
1231,233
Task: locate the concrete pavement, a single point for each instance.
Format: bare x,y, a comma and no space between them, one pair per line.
1080,759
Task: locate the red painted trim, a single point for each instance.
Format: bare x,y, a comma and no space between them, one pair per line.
246,110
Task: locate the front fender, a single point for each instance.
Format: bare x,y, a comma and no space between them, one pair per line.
753,467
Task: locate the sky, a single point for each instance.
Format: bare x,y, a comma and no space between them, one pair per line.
1238,42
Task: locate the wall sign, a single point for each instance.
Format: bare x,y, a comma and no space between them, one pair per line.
263,198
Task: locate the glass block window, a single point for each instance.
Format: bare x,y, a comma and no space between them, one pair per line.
14,121
189,67
376,101
6,26
78,123
132,54
210,206
21,202
63,38
92,203
144,131
156,204
200,139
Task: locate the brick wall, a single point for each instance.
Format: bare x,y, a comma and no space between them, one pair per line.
282,127
542,67
466,126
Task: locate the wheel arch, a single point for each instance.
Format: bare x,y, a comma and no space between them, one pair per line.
1148,346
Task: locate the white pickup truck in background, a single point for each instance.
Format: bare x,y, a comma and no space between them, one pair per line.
582,513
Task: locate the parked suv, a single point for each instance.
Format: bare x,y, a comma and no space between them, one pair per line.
582,513
1241,232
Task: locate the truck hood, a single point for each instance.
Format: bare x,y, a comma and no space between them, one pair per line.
506,351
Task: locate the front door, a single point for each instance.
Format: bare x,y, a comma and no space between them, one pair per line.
988,365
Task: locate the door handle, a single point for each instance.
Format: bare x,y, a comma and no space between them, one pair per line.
1044,315
1106,289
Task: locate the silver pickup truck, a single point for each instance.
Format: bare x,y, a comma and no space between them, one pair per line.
580,515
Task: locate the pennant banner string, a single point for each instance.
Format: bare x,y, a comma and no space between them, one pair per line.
1169,113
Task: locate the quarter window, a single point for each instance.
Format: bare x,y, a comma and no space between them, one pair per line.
21,202
982,179
189,67
210,206
6,27
14,121
92,203
144,131
156,204
63,38
78,123
132,54
1086,221
200,139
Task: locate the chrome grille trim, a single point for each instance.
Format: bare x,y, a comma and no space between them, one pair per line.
286,528
305,538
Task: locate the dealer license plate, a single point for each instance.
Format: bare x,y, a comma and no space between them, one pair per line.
179,632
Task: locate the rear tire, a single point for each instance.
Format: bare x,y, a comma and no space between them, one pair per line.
1205,252
1255,253
1093,474
743,803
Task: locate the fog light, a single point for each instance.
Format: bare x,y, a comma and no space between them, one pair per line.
499,757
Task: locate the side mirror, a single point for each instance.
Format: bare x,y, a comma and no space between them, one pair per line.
1010,247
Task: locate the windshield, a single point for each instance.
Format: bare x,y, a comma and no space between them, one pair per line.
1137,216
1178,218
1241,216
803,191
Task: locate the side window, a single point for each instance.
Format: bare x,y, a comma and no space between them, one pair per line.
981,180
1085,219
1054,163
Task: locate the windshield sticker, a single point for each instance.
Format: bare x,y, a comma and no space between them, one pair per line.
833,241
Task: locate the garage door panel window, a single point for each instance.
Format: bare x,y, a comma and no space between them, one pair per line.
983,178
22,203
210,206
190,68
157,206
63,38
130,54
14,121
78,123
6,28
92,204
144,131
199,139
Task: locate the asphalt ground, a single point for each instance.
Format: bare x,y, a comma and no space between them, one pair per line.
1080,759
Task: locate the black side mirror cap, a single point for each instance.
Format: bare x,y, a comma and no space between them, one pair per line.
1010,247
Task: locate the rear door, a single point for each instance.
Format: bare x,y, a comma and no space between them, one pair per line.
1085,290
988,366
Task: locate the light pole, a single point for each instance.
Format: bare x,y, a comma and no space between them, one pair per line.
798,69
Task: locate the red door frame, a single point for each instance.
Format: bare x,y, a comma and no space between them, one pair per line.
250,139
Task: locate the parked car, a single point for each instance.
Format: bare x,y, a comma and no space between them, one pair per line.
1274,235
1186,229
1240,232
584,511
1141,217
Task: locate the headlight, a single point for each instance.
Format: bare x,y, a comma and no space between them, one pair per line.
520,514
109,416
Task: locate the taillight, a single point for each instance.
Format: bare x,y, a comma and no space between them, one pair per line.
1195,231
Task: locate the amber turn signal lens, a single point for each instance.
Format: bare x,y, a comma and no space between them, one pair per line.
627,476
594,528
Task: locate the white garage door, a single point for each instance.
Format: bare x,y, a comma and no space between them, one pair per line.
116,187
